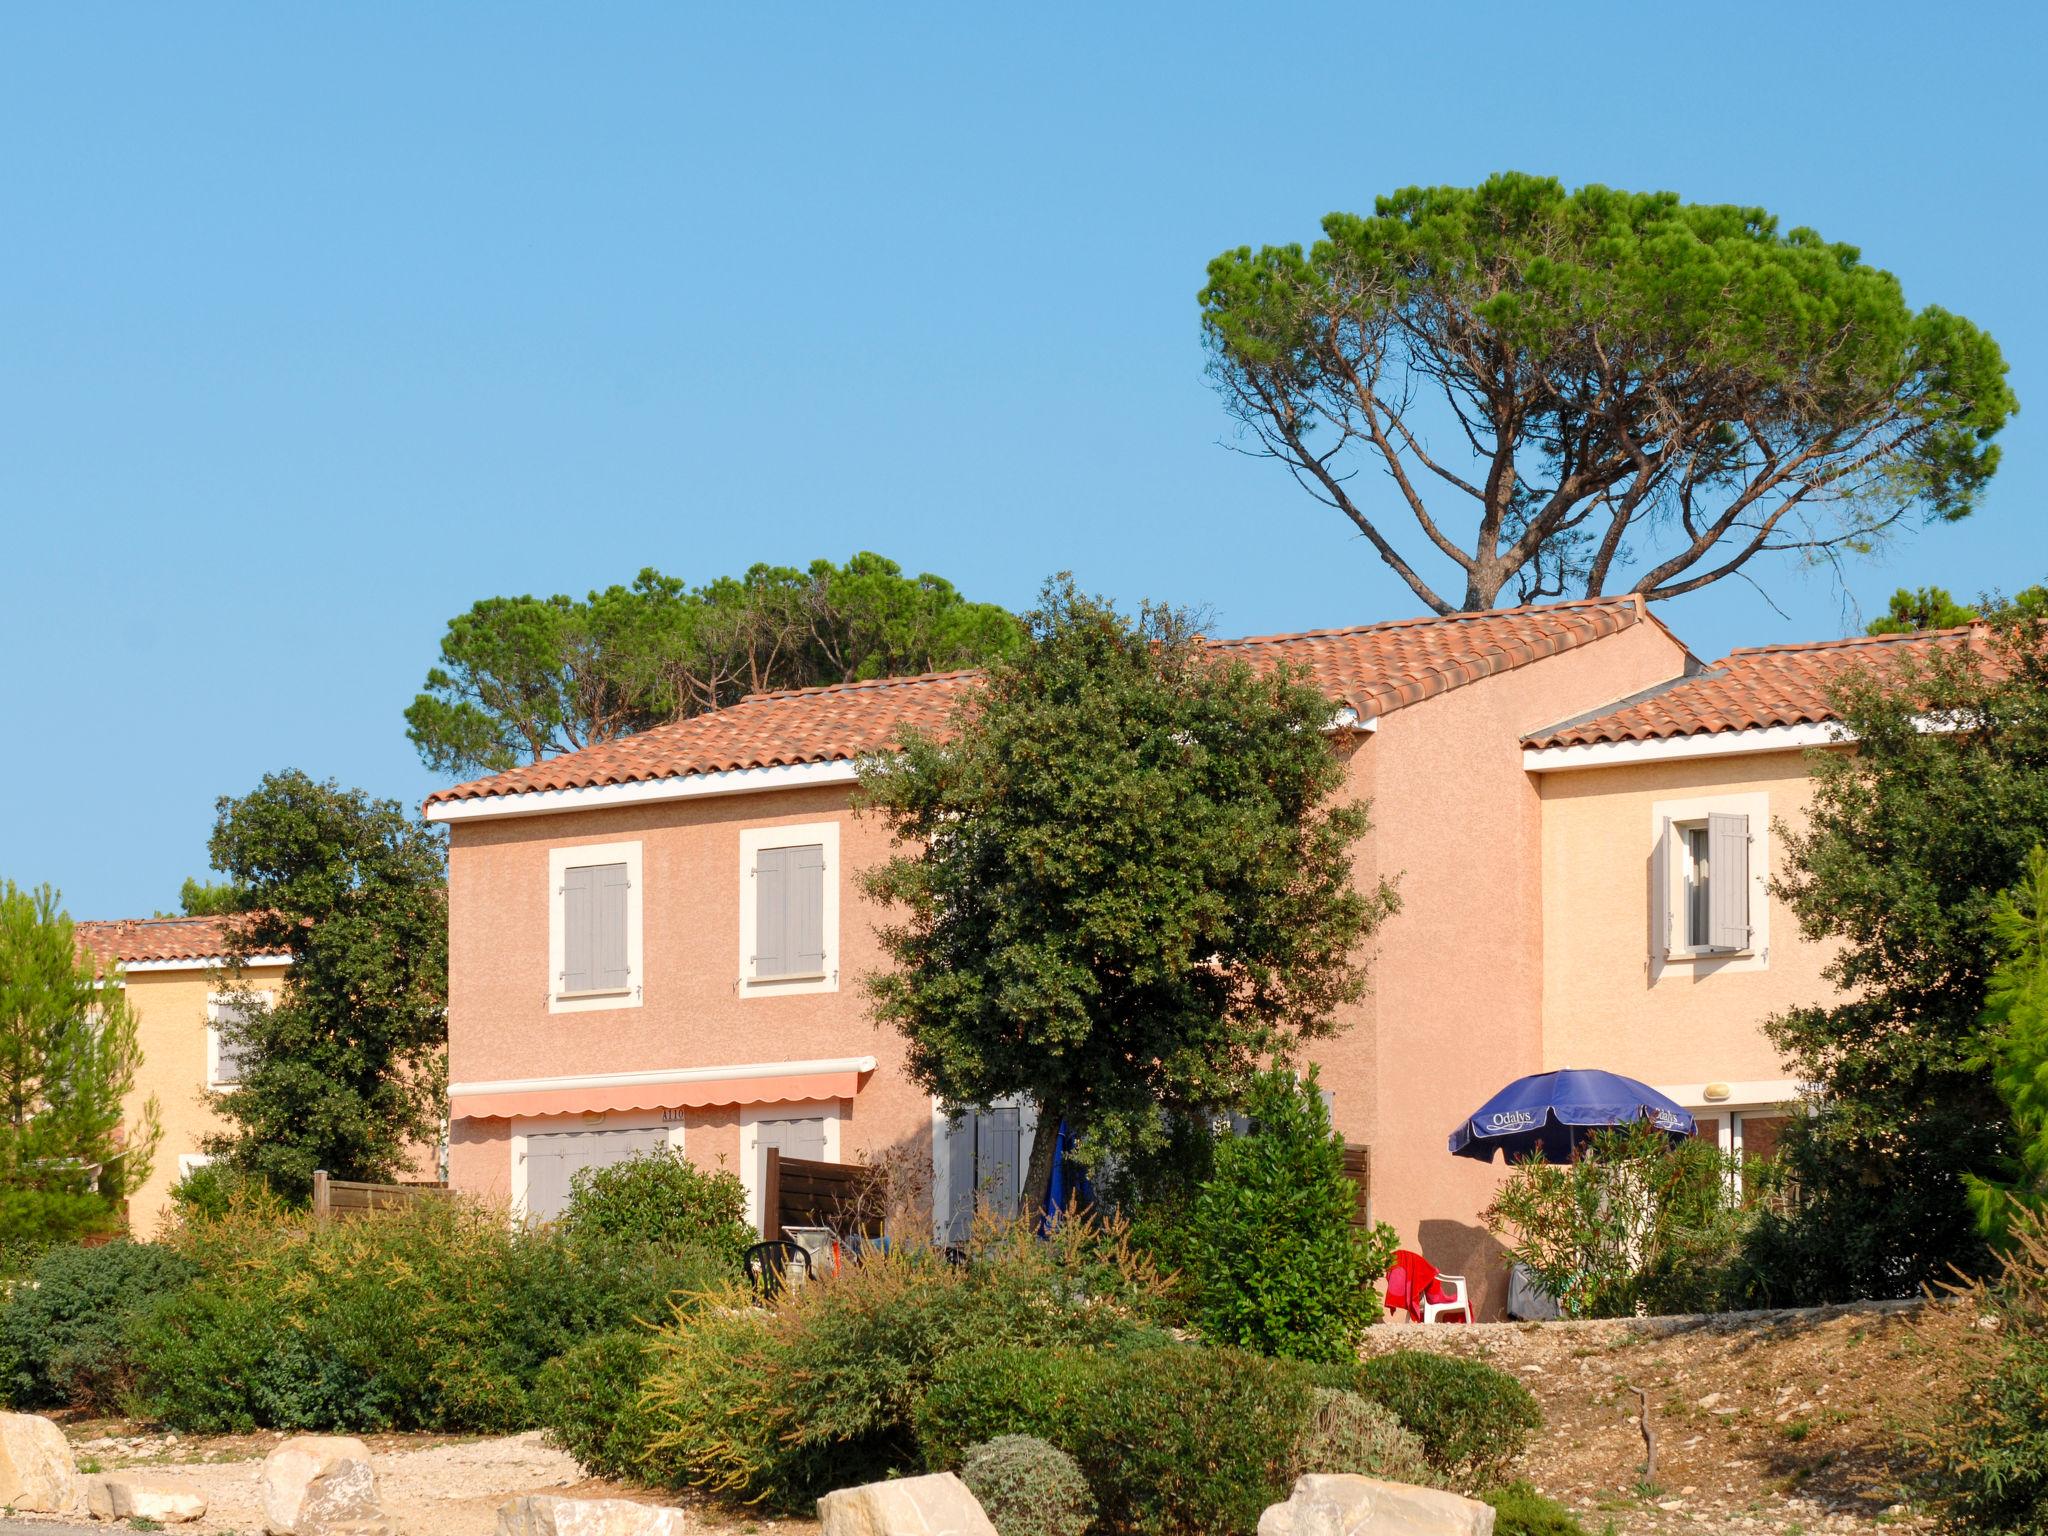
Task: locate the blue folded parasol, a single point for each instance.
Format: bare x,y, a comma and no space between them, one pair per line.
1553,1113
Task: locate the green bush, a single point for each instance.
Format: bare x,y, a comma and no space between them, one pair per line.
1348,1433
1173,1439
660,1197
1989,1453
1519,1510
1276,1263
589,1399
1028,1488
842,1362
438,1316
63,1331
1472,1420
205,1192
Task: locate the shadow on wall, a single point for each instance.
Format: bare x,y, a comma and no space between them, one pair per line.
1461,1248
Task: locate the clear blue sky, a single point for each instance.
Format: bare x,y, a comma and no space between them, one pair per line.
319,323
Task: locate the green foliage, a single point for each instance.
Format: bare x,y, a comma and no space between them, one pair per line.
1125,881
347,1071
2015,1024
1028,1488
63,1329
437,1316
589,1399
1472,1420
1350,1433
1910,842
209,898
1276,1263
68,1055
818,1390
1914,609
522,678
661,1197
1519,1510
1173,1438
1989,1453
1636,1223
209,1190
1647,386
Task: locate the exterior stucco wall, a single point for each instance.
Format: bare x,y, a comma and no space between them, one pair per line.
1607,1001
1455,1010
170,1027
693,1010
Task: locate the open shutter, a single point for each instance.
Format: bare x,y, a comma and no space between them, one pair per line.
960,1176
579,929
609,899
1728,881
807,910
1670,876
999,1165
771,912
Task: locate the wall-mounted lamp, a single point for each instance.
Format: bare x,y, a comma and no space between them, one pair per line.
1716,1093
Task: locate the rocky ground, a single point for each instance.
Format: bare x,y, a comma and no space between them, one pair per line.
1793,1423
429,1486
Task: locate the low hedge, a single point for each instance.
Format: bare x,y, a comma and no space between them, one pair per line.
1472,1420
589,1399
64,1329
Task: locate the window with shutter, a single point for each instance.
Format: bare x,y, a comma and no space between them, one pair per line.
1727,839
771,912
612,973
595,915
226,1051
789,909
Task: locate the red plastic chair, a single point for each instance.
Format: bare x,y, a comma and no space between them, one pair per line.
1415,1286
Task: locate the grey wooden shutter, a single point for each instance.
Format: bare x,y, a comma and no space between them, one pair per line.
771,912
960,1176
807,910
998,1159
609,945
1728,881
579,930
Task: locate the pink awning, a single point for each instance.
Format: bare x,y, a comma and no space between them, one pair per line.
688,1093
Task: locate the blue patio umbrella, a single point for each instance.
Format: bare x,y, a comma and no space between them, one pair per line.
1553,1113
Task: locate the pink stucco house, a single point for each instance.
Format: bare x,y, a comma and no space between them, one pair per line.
659,940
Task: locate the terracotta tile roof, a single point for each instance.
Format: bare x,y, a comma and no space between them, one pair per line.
1373,668
135,940
1749,689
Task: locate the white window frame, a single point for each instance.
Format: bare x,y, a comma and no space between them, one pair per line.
825,835
1668,946
187,1161
264,998
575,856
831,1111
597,1120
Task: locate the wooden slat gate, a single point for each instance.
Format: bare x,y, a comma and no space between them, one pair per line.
1358,1169
338,1199
799,1192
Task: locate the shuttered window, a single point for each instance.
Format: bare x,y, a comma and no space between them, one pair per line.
985,1152
789,911
226,1050
594,929
1728,894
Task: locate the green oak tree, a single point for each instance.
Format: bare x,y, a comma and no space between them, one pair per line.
1575,392
347,1071
1909,844
68,1055
1123,881
522,678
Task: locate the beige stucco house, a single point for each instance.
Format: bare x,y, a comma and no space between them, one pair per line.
171,969
659,940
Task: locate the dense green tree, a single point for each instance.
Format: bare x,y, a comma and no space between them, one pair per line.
1125,879
1910,841
207,898
68,1056
1914,609
1573,390
522,678
347,1071
2016,1045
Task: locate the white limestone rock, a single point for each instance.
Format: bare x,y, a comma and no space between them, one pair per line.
1325,1504
138,1496
548,1514
321,1485
938,1505
37,1472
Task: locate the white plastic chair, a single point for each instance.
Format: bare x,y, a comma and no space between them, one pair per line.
1460,1300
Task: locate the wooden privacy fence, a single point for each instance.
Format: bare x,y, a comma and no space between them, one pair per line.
798,1192
338,1199
1358,1169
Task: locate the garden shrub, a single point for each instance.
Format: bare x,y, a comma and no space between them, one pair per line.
1276,1264
205,1192
660,1197
1519,1510
436,1316
1989,1453
1174,1439
1348,1433
589,1399
63,1331
1472,1420
844,1360
1028,1488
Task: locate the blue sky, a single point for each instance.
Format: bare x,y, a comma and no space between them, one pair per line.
318,324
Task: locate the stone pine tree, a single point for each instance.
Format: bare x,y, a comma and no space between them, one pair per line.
68,1055
1123,881
1517,392
347,1071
